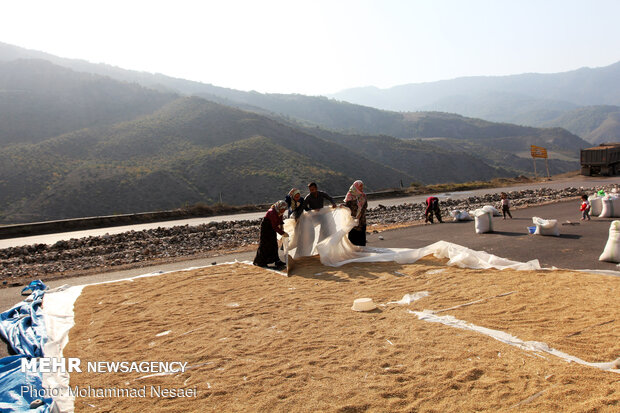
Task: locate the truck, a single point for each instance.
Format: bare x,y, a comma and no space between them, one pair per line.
603,159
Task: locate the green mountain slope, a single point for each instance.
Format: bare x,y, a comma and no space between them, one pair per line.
427,162
596,124
76,144
356,119
189,151
607,131
39,100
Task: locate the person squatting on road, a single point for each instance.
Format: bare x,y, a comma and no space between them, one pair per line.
505,205
357,203
315,199
432,206
272,223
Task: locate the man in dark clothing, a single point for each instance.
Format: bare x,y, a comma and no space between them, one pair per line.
315,199
432,205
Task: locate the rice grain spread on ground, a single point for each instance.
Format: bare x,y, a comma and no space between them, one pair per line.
255,340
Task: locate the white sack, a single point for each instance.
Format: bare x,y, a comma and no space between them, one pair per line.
611,252
484,221
461,215
611,207
546,226
494,211
596,205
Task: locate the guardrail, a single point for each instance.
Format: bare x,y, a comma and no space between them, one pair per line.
77,224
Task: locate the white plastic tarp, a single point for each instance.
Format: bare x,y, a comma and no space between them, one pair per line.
324,232
59,319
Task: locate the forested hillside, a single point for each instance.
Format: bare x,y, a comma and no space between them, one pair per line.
189,151
78,144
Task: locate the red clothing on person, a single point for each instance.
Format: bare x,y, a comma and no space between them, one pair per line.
267,252
432,206
276,220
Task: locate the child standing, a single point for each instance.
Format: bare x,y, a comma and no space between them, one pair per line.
505,205
585,208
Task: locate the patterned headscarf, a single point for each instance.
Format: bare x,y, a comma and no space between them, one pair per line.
292,193
357,192
279,206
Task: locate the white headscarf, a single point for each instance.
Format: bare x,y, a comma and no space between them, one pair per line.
279,206
294,204
357,192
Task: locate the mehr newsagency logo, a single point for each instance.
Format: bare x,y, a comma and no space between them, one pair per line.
53,365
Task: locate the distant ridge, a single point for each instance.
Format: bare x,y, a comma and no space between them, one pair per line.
582,87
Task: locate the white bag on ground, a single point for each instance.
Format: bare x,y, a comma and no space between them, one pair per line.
611,207
546,226
596,205
611,252
484,221
461,215
492,210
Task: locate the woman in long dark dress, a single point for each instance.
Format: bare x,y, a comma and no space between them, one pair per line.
357,203
267,252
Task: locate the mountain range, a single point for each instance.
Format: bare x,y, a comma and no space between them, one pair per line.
585,101
81,139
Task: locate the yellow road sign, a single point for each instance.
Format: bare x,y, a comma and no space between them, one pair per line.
538,152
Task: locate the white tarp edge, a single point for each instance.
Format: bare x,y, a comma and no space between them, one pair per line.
59,319
504,337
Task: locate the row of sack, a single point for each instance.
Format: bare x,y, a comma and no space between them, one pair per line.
459,215
607,206
484,221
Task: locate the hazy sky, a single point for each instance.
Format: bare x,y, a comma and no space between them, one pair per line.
318,47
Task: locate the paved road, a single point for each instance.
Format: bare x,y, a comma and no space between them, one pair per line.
52,238
578,246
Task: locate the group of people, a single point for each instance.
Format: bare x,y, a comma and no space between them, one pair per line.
273,222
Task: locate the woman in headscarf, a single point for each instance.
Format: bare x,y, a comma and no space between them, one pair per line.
295,203
356,202
268,242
